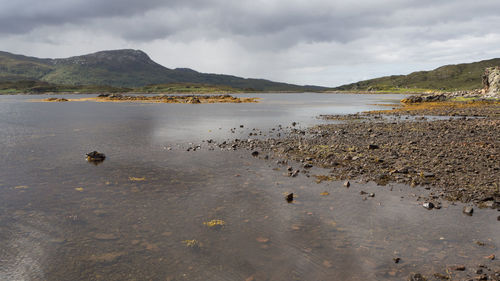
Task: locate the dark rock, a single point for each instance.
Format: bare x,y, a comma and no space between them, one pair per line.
289,198
95,156
347,184
308,165
371,195
468,210
396,260
373,146
428,175
458,267
255,153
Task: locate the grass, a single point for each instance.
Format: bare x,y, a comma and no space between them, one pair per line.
465,76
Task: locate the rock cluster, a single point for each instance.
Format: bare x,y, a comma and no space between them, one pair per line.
191,99
457,157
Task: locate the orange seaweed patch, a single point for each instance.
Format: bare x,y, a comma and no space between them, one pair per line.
409,107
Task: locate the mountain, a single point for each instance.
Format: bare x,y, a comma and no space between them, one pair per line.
122,68
466,76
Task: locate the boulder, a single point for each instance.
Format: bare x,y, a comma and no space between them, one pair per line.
491,82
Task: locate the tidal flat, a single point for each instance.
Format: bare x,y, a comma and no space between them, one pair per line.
175,200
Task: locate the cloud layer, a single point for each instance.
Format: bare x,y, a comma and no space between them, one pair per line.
306,42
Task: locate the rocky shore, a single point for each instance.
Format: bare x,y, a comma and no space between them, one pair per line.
458,159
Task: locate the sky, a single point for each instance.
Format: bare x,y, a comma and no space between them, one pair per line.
306,42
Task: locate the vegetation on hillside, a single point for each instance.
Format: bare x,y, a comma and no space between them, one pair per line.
465,76
123,68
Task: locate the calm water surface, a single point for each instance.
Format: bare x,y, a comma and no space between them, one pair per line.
135,216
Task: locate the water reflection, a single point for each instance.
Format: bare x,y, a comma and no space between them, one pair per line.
130,217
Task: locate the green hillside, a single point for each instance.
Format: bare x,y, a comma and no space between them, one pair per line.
122,68
17,67
466,76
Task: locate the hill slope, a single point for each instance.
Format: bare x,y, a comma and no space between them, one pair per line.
466,76
122,68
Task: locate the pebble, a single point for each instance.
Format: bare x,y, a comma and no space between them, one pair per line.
468,210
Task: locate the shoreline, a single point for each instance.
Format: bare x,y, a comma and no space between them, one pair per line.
457,159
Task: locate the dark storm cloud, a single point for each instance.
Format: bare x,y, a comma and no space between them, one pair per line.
21,16
310,21
298,41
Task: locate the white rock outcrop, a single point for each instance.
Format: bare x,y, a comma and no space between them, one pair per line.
491,82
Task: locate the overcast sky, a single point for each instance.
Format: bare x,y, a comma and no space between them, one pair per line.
314,42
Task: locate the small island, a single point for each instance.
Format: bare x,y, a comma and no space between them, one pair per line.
191,99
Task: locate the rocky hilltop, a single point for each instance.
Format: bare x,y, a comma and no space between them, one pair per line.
126,56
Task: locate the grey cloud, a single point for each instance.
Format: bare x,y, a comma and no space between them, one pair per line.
298,21
302,35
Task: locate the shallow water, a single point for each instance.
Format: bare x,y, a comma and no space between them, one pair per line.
128,218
